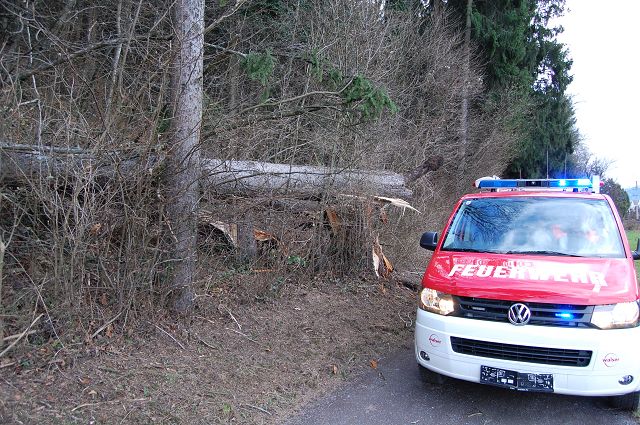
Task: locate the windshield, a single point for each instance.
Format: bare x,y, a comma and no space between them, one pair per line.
535,226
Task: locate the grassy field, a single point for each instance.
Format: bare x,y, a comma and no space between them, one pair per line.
633,236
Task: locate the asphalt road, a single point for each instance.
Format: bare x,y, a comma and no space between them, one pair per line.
394,394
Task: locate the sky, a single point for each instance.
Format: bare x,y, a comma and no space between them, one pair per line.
604,42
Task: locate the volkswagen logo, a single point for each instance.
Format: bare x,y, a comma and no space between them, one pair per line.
519,314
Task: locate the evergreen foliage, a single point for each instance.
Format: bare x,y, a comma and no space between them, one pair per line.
259,66
357,91
619,196
370,100
522,52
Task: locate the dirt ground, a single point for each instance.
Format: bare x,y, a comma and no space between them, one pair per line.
238,359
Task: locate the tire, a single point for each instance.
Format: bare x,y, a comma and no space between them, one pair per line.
431,377
625,402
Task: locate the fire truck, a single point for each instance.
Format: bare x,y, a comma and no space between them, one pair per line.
532,287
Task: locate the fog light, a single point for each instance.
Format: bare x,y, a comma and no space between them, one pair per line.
425,356
626,380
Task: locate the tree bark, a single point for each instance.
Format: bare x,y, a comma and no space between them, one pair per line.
26,163
432,163
464,113
183,171
2,249
305,181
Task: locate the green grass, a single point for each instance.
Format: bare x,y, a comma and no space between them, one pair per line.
633,236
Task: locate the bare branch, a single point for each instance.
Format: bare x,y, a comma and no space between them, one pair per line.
224,16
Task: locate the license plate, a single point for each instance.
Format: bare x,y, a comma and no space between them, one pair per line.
542,382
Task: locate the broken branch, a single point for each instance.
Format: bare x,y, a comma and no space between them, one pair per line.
22,335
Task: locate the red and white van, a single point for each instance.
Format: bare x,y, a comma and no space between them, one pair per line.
532,286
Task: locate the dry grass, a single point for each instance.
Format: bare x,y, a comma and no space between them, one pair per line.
234,362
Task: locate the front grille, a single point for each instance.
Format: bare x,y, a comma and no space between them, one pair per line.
542,314
521,353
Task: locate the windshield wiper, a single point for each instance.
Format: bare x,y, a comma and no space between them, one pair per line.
543,252
463,249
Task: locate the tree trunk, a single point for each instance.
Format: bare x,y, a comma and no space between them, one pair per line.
2,249
251,177
464,113
27,163
183,171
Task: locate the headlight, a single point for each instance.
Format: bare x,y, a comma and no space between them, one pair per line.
616,316
436,301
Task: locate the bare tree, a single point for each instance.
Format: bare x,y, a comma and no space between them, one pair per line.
2,250
464,115
184,159
119,85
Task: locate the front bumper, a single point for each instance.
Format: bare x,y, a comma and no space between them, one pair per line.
615,352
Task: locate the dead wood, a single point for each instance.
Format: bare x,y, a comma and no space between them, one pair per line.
221,177
433,163
252,177
411,280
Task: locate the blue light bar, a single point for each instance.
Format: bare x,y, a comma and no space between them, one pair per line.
565,315
534,183
486,184
579,183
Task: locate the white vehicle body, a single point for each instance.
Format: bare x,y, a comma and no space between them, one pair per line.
615,353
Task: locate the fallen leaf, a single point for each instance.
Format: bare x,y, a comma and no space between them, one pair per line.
334,220
85,380
103,299
95,229
335,369
373,363
383,217
262,236
109,331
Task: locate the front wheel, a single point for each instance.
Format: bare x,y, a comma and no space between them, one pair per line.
431,377
625,402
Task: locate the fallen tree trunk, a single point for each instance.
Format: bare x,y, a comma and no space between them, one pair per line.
247,178
411,280
252,177
24,163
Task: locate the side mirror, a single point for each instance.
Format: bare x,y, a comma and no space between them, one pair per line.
635,254
429,240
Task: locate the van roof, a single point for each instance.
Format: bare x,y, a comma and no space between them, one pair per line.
531,193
